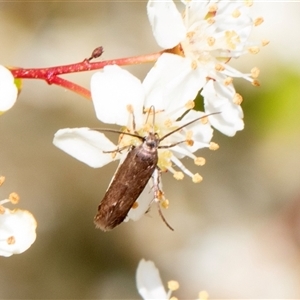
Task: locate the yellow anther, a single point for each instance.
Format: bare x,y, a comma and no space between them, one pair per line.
249,3
255,72
236,13
194,65
203,295
190,104
178,175
237,99
258,21
228,80
197,178
253,50
219,67
213,146
135,205
265,42
211,41
165,203
11,240
199,161
173,285
2,179
14,198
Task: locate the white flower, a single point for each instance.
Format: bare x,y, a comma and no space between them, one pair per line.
8,90
17,227
149,283
205,38
118,96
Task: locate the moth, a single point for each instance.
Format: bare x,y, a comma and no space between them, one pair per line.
131,178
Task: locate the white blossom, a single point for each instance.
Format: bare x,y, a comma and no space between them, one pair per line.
118,97
17,227
8,90
201,43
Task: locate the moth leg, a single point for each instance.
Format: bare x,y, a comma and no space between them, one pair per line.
119,150
159,195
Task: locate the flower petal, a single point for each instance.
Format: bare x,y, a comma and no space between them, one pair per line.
8,90
167,23
113,89
144,201
219,98
17,231
171,83
85,145
148,281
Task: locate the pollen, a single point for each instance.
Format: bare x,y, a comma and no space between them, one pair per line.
213,146
228,81
135,205
11,240
165,203
199,161
190,104
14,198
236,13
253,50
173,285
2,210
237,99
173,298
178,175
203,295
219,68
258,21
197,178
2,179
211,41
255,72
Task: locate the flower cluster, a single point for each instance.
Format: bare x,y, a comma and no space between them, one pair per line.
198,45
17,227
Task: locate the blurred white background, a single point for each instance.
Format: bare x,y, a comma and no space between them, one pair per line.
237,234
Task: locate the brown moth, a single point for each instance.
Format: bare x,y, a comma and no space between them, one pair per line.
131,178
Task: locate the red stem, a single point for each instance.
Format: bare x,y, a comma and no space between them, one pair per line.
51,75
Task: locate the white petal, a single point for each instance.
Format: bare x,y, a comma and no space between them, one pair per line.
144,201
85,145
166,22
219,98
148,281
8,90
19,225
171,83
113,89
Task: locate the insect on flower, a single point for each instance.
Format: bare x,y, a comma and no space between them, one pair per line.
132,176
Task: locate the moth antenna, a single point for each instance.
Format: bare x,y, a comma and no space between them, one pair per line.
117,131
163,218
177,129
